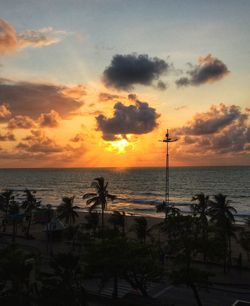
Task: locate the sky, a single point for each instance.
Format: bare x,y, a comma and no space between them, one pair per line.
97,83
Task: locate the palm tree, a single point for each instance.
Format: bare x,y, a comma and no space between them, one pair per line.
18,277
141,229
222,215
169,210
6,197
67,210
100,197
14,215
201,208
29,204
64,282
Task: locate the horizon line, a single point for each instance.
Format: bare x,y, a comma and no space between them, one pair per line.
122,167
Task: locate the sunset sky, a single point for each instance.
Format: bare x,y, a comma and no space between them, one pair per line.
96,83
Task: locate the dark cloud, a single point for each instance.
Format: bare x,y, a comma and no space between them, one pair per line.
161,85
209,69
21,122
125,71
7,137
105,97
212,121
132,97
33,99
50,119
133,119
222,130
184,81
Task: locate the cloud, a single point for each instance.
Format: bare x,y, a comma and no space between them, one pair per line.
75,92
210,69
7,137
38,146
11,41
8,39
180,107
21,122
38,38
77,138
50,119
125,71
32,99
5,113
212,121
105,97
38,142
161,85
133,119
132,97
221,130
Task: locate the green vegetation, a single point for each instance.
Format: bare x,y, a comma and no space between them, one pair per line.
138,254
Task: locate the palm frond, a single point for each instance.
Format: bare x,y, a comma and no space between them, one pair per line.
88,195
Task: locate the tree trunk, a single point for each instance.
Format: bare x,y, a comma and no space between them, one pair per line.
14,231
102,222
196,294
229,251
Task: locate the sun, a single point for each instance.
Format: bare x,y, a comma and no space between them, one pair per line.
120,146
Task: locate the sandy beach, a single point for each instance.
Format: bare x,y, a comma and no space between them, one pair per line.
38,232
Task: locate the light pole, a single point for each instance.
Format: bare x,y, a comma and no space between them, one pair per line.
167,140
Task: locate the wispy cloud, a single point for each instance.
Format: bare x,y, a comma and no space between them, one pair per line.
11,41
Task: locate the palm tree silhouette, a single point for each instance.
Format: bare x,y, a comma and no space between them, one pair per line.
29,204
5,199
67,210
14,210
100,197
16,267
141,229
201,208
222,215
169,210
64,282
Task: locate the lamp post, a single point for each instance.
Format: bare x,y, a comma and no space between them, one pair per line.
168,140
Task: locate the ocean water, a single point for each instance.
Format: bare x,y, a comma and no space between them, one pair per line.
138,189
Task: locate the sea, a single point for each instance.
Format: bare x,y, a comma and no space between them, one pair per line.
138,190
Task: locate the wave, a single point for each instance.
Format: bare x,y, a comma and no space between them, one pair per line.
150,202
184,205
16,189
